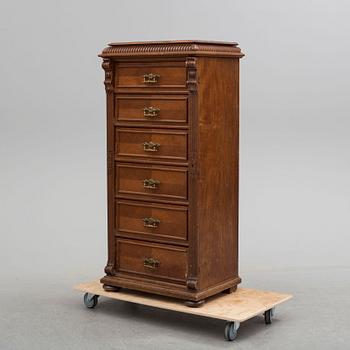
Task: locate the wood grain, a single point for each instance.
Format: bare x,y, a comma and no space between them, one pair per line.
172,109
218,130
172,144
172,260
172,181
171,74
172,221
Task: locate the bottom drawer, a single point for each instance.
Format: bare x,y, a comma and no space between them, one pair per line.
153,260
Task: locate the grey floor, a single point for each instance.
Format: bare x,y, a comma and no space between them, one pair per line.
45,313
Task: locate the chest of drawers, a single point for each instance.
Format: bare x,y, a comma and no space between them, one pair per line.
172,156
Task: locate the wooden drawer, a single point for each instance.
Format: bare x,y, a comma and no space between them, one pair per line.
171,181
152,110
153,260
151,220
152,144
167,74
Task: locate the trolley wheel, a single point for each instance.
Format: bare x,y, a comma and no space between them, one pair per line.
268,314
90,300
231,330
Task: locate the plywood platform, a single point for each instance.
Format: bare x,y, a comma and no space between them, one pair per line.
237,307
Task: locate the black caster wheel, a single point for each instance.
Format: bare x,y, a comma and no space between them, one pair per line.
90,300
231,330
268,314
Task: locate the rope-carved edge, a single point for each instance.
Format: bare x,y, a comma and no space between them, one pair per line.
172,49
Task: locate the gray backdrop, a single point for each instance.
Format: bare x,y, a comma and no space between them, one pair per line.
294,174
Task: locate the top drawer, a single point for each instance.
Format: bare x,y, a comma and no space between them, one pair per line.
148,75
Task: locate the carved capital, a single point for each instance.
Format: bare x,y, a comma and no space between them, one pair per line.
192,283
191,64
108,68
109,270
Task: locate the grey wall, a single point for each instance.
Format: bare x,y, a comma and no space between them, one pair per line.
295,142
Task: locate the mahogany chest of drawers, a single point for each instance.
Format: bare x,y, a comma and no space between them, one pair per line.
172,154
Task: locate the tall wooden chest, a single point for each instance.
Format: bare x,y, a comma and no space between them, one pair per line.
172,155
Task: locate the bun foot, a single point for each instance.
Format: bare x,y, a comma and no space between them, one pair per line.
230,290
191,303
108,288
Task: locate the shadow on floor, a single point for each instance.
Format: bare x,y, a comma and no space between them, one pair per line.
166,319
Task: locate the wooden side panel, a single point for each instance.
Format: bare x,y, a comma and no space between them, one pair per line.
218,130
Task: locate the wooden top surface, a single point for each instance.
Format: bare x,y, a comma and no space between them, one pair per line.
173,48
238,306
170,42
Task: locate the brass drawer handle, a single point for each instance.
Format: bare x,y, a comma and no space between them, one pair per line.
150,183
151,263
151,112
151,147
151,222
151,78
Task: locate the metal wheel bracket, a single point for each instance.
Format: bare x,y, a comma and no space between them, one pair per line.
268,316
273,311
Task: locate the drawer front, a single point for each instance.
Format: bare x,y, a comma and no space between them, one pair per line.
153,144
148,75
152,181
151,110
152,220
150,259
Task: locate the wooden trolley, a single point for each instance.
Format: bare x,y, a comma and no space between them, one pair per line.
234,308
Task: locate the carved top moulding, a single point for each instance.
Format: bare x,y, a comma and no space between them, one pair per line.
172,48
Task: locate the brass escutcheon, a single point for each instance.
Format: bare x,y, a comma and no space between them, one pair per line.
151,78
151,147
151,222
151,112
150,183
151,263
